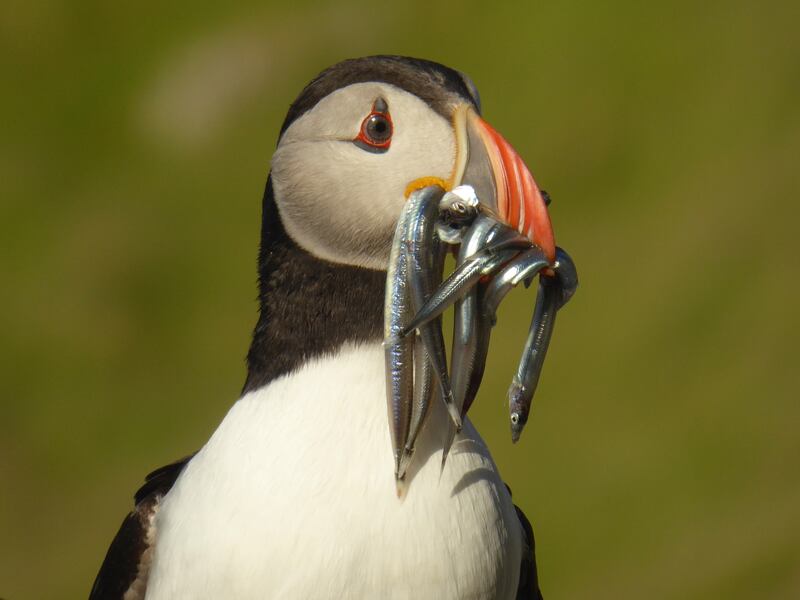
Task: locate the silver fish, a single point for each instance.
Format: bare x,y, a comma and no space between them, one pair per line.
523,385
525,265
554,292
424,391
567,275
398,349
420,236
499,244
470,335
522,268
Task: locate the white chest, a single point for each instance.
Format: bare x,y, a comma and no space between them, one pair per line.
294,497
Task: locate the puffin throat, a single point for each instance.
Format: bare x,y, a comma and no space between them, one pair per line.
307,306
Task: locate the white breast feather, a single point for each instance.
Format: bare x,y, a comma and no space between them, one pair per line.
294,497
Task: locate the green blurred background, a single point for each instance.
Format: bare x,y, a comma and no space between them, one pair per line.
663,457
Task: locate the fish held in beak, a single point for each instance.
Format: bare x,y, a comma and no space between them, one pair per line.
491,214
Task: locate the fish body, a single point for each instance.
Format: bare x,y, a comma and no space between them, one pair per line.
523,386
422,246
398,349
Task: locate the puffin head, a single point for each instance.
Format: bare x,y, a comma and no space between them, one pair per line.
366,133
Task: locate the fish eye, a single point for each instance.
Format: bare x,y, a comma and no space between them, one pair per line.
459,207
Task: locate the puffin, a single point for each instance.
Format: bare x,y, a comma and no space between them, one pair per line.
293,496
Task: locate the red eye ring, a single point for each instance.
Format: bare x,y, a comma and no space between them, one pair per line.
376,132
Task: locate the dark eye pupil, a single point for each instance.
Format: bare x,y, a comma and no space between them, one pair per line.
378,128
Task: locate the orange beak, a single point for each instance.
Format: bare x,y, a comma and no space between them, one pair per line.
502,182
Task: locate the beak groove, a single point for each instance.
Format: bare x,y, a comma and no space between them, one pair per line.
512,194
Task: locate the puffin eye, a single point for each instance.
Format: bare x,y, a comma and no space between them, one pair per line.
376,129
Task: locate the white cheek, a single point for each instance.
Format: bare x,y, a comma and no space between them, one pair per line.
340,202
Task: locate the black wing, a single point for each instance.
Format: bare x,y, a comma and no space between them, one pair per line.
528,588
127,560
528,577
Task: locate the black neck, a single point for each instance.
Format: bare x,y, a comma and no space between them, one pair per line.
309,306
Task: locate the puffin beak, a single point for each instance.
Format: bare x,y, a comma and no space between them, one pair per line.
502,182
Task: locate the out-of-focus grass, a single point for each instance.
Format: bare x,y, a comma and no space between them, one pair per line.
661,461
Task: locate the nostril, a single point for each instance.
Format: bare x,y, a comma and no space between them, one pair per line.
545,197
